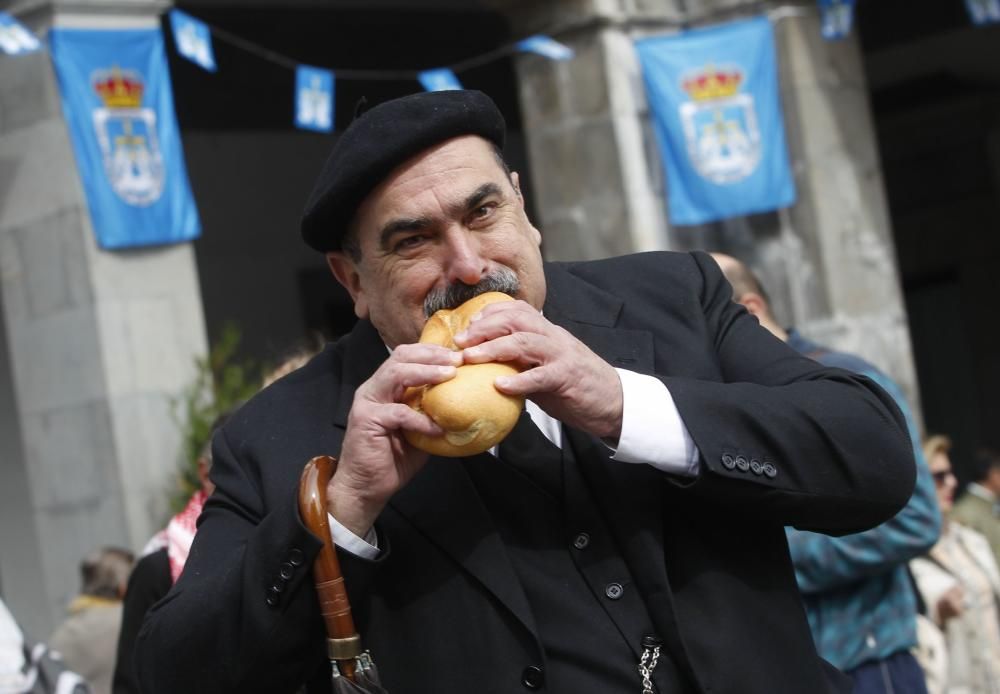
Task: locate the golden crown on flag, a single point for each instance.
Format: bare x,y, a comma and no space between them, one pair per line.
712,83
118,88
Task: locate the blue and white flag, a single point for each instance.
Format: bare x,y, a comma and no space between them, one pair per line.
544,45
314,99
983,11
119,109
439,80
193,39
713,94
836,18
15,38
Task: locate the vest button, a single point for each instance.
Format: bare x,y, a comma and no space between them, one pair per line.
532,677
614,590
582,541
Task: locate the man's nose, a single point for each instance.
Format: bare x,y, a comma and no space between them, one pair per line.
466,263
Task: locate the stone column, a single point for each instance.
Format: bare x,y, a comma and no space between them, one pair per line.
829,260
597,189
98,345
837,241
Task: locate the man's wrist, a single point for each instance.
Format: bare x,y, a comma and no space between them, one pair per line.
350,509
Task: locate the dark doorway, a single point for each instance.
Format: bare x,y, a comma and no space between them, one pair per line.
935,86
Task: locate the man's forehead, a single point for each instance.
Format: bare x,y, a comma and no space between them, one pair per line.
448,174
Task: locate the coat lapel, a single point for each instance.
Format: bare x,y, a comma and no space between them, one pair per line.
363,352
463,529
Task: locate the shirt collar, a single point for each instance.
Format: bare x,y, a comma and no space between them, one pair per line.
982,492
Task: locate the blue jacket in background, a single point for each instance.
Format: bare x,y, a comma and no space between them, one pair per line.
856,590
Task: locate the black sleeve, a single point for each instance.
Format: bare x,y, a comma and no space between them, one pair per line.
262,629
149,582
781,436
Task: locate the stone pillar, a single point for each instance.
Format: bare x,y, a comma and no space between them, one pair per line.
829,260
98,344
837,241
597,189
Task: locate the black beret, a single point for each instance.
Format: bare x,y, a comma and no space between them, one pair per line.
380,140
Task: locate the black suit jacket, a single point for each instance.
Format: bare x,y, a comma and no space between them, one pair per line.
783,441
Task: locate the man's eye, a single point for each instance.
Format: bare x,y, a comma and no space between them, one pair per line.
408,242
484,211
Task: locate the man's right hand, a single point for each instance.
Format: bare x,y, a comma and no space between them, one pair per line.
375,460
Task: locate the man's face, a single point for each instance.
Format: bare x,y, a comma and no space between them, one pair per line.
449,215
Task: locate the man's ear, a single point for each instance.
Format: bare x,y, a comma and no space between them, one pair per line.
754,304
346,272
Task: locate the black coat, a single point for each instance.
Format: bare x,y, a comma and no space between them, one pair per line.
442,610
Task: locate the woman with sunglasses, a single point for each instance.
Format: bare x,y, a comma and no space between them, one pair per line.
960,584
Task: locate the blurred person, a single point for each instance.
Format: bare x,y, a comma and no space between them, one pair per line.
32,668
629,523
294,359
979,506
960,584
856,590
88,638
12,659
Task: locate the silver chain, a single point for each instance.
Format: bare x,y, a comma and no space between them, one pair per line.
650,656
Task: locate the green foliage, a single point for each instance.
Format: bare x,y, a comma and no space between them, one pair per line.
223,381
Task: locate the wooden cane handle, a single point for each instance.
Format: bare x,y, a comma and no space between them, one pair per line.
343,643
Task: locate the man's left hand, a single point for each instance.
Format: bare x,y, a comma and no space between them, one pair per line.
558,372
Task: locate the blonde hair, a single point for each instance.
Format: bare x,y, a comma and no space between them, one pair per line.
937,443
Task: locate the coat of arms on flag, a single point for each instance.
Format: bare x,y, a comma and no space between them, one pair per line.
126,134
720,124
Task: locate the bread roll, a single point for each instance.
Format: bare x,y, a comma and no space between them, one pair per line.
473,413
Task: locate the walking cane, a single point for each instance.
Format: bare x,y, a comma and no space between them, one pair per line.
352,668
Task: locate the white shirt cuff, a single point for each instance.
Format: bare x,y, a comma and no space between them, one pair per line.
366,548
652,429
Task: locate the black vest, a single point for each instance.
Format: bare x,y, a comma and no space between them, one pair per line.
590,616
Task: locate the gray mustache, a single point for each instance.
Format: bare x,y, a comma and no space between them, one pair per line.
502,280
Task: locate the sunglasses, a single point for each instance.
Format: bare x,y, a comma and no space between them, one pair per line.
941,476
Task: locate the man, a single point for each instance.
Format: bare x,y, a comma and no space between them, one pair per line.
673,439
857,592
978,508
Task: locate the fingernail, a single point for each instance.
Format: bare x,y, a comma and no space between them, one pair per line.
475,317
460,337
503,381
